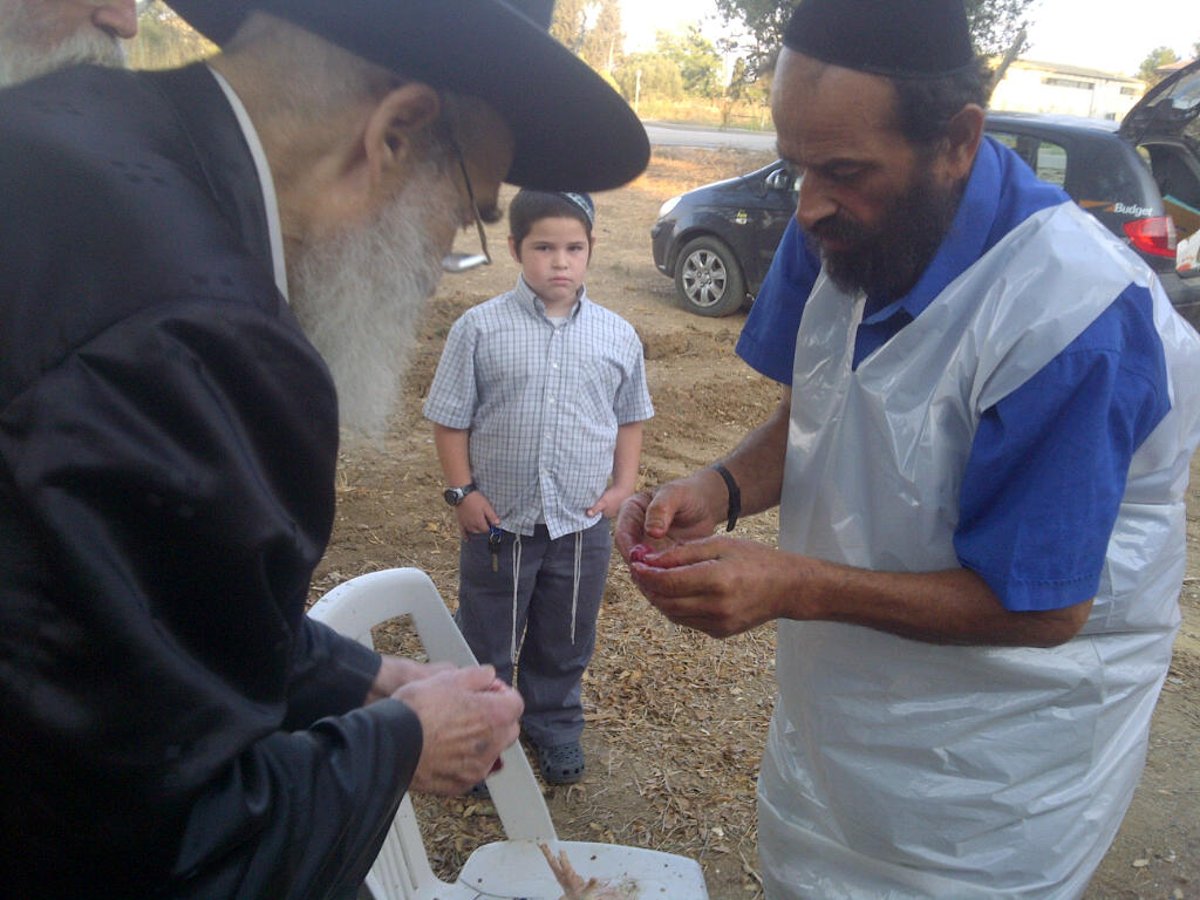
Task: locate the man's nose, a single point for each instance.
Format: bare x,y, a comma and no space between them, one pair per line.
117,17
813,203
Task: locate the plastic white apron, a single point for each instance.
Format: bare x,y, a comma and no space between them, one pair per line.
895,768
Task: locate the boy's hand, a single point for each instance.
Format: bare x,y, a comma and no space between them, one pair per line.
610,501
475,515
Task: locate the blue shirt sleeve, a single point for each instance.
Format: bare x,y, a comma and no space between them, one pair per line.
768,339
1047,470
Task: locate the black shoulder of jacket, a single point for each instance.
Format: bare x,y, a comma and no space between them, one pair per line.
120,190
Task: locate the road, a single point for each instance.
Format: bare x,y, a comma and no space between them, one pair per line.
667,135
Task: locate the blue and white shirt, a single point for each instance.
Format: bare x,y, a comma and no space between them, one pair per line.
1048,466
543,401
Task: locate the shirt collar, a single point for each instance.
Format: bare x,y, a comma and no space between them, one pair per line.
263,167
532,303
964,243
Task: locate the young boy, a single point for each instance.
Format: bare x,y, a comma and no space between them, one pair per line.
537,405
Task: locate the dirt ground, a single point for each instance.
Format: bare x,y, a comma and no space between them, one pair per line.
676,721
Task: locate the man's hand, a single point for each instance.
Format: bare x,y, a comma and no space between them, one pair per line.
725,586
468,717
681,510
396,671
722,586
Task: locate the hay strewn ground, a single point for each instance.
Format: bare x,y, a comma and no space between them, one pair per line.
677,720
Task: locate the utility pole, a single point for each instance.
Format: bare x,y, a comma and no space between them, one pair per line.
1009,56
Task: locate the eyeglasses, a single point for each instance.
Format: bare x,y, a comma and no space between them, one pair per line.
464,262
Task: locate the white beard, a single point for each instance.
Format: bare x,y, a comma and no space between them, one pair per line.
359,297
27,52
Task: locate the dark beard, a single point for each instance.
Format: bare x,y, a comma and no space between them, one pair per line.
886,261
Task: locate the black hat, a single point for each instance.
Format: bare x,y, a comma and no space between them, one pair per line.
896,38
572,130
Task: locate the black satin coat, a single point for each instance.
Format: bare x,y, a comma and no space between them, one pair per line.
172,721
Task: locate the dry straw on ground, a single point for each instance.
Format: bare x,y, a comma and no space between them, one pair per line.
676,720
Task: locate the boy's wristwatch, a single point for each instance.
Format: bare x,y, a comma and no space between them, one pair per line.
454,496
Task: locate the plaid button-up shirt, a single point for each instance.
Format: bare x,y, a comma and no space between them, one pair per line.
543,402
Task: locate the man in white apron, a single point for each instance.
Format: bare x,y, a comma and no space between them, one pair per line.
980,462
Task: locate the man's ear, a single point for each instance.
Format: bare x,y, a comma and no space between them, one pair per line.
514,249
963,136
391,127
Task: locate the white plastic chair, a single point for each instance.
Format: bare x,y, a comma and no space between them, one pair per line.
513,868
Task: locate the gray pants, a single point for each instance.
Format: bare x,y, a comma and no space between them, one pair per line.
550,618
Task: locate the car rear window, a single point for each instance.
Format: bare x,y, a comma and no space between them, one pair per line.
1100,172
1047,159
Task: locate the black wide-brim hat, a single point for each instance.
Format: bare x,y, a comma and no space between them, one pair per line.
573,131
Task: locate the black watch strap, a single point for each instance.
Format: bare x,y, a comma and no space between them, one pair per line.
735,496
455,496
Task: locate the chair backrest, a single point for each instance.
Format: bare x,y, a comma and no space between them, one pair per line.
511,868
401,871
354,608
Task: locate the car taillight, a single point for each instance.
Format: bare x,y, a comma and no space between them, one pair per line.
1153,236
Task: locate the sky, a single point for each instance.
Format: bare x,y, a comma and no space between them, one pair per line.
1096,34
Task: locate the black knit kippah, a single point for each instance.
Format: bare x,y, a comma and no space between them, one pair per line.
896,38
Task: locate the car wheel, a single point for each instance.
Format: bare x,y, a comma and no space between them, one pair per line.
709,279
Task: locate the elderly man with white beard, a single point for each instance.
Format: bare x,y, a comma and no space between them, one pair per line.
170,720
40,36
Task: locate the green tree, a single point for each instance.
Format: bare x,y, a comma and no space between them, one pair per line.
602,41
759,28
648,75
995,25
697,58
164,40
746,92
569,24
1159,56
591,29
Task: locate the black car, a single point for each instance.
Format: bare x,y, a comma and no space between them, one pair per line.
1141,180
717,241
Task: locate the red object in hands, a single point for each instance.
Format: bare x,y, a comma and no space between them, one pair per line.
639,553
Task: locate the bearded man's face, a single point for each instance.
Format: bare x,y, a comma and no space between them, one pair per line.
359,293
41,36
875,205
884,260
359,289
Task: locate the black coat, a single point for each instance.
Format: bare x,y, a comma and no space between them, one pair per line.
168,439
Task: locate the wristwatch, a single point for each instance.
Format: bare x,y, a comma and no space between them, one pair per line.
454,496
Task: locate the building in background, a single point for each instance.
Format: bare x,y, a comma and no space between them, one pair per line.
1039,87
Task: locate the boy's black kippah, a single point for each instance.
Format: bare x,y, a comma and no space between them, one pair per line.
894,38
583,201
